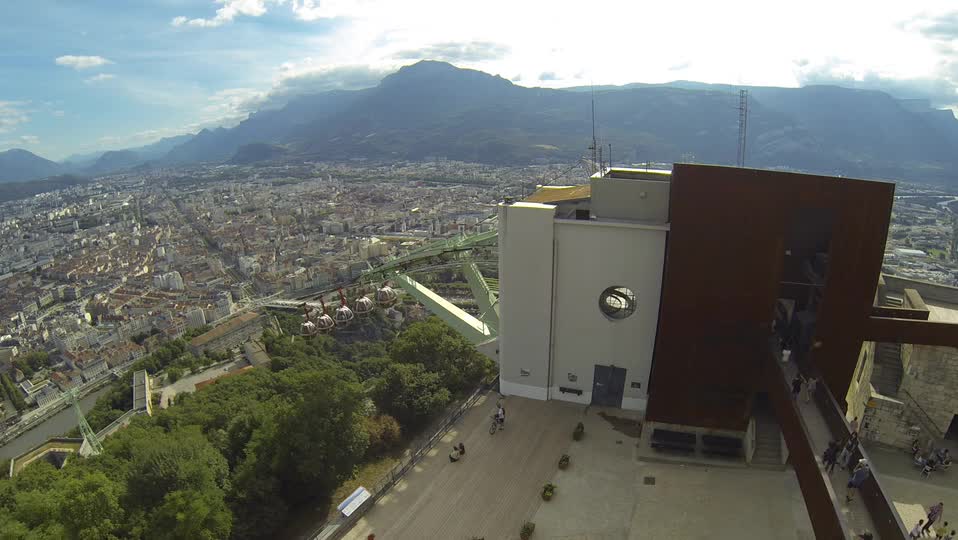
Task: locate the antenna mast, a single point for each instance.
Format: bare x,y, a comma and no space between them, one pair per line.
742,125
594,146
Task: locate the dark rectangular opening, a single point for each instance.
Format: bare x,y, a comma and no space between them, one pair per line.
805,250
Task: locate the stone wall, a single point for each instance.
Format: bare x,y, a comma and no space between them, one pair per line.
930,379
885,421
860,388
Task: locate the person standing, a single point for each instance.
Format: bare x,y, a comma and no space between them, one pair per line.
810,387
854,425
915,532
934,513
855,482
942,531
797,386
844,455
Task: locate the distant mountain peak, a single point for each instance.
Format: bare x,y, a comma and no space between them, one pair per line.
18,164
426,71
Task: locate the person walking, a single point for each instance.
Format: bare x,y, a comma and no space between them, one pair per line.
941,531
934,513
915,532
830,458
797,383
855,482
462,449
854,425
810,387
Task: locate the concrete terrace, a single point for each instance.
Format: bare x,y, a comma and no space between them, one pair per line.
607,492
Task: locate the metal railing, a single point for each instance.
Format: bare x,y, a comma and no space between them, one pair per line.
337,527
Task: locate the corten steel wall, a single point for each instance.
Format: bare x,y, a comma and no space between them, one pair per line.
724,260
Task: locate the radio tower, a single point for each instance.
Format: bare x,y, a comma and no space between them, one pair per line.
742,125
96,448
594,146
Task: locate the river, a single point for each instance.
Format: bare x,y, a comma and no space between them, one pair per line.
56,425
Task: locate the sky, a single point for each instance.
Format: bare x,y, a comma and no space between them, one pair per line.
78,76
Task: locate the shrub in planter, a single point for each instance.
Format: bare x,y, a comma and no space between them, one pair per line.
564,461
527,529
548,491
579,432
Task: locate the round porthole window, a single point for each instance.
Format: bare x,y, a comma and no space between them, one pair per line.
617,302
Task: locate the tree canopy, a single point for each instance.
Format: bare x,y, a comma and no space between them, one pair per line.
235,459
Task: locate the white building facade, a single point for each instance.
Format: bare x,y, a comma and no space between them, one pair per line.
592,267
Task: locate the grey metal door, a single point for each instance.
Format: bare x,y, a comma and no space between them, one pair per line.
608,386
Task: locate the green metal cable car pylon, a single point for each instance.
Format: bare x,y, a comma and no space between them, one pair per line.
86,431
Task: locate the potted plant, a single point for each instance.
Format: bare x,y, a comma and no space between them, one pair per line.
548,491
527,529
564,461
579,431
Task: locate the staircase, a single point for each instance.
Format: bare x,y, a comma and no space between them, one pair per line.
886,378
768,442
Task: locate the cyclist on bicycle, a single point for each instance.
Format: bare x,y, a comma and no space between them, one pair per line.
501,416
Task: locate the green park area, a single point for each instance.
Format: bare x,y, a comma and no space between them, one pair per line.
241,458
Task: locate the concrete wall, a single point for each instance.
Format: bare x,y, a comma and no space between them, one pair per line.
631,199
526,233
591,256
928,291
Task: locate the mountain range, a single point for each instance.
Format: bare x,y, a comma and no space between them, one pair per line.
433,109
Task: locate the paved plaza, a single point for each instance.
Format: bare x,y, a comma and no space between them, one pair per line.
912,494
607,493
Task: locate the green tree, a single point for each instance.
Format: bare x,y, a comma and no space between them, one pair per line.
410,393
440,349
321,440
174,373
180,460
91,506
197,515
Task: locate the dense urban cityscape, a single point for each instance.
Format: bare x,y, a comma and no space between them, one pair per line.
377,270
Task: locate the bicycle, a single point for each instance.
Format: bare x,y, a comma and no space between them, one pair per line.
495,426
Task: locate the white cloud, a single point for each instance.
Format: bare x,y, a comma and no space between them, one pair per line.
29,139
313,10
12,114
100,77
58,113
225,14
82,62
304,10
